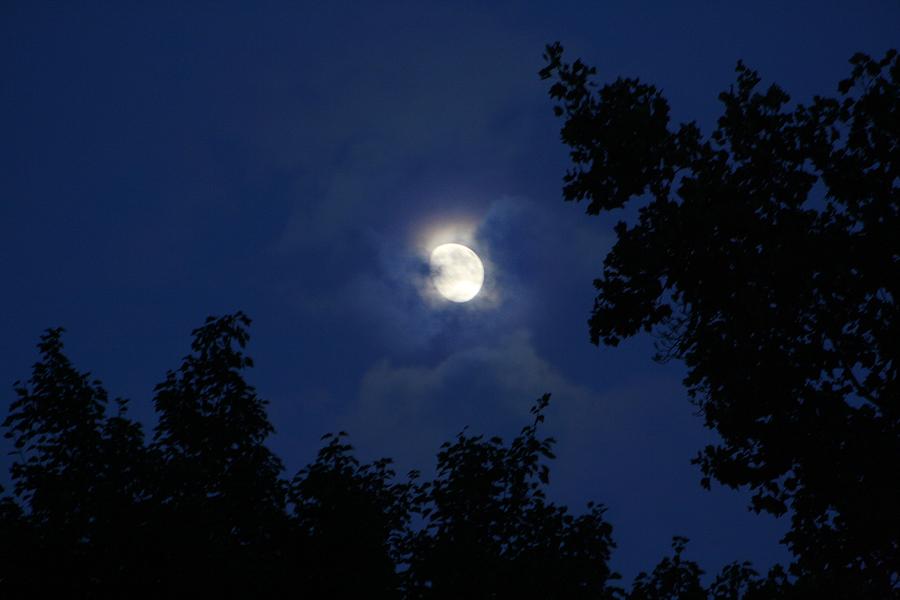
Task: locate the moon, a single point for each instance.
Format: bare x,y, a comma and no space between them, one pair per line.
457,272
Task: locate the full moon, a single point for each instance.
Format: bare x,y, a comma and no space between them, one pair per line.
457,272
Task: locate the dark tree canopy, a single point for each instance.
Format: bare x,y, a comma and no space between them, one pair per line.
354,520
203,510
491,533
215,480
78,470
766,257
678,578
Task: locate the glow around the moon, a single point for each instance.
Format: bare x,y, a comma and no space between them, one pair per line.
457,272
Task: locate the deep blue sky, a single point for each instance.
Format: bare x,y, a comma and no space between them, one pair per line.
158,165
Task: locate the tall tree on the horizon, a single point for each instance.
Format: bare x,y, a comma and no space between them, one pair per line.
766,257
80,473
353,520
490,531
218,486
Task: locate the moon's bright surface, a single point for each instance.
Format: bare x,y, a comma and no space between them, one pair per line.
457,272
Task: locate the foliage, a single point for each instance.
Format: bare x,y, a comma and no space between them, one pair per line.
766,257
215,481
203,510
79,472
491,533
354,518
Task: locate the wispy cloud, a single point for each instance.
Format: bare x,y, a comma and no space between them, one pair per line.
406,411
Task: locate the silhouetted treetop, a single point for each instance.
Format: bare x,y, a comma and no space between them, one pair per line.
212,425
679,578
355,518
78,470
491,533
69,452
203,509
766,257
215,480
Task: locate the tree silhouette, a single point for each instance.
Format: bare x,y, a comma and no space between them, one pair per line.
203,510
766,257
677,578
673,578
217,485
78,471
491,533
353,519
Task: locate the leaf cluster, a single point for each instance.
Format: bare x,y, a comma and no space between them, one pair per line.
764,256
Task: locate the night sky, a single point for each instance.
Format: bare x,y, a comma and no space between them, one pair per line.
298,161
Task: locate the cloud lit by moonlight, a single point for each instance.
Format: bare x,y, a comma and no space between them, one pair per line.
457,272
